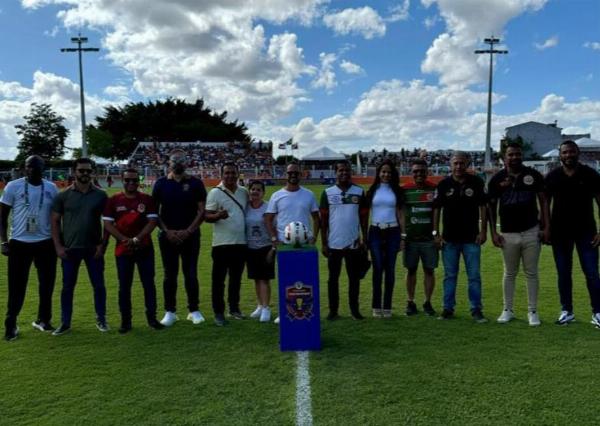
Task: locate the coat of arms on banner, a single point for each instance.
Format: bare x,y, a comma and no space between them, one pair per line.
299,301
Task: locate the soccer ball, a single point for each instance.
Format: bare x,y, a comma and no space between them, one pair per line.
296,233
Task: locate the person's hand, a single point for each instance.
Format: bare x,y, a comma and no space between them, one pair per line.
183,234
596,240
99,253
481,238
497,240
223,214
5,249
402,244
325,250
61,252
312,240
545,235
173,237
438,241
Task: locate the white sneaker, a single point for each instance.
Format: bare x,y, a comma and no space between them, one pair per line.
195,317
506,316
265,314
596,319
534,319
276,320
565,317
169,319
257,312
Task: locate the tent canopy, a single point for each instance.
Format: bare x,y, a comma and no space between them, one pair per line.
324,154
551,154
586,143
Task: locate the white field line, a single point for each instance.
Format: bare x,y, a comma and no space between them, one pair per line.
303,399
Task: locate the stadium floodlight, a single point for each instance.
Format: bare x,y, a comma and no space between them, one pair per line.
488,148
79,41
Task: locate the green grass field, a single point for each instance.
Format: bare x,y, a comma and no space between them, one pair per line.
415,370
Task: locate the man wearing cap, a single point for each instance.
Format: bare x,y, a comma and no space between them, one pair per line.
180,200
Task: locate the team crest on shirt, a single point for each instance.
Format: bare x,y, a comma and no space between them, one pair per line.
299,301
469,192
528,180
354,199
450,192
141,208
121,209
186,187
429,196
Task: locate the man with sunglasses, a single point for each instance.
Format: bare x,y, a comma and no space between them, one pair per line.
29,199
130,217
419,242
180,200
77,235
292,203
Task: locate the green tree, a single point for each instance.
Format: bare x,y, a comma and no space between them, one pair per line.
43,133
100,143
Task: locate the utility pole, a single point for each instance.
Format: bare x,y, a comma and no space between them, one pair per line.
79,41
488,147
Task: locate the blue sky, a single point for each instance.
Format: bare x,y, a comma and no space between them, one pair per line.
346,74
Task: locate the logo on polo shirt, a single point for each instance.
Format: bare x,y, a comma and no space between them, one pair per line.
141,208
528,180
186,187
354,199
469,192
450,192
121,208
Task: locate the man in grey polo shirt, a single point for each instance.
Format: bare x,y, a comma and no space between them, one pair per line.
225,208
77,235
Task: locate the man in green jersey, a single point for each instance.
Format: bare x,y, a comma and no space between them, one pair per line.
419,237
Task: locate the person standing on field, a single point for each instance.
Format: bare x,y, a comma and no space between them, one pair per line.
572,190
461,199
226,210
518,190
29,199
344,218
77,235
130,216
180,200
419,243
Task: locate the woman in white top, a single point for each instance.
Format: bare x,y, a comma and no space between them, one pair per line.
260,258
386,200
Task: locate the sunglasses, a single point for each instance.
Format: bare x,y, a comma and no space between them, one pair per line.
131,180
84,171
293,173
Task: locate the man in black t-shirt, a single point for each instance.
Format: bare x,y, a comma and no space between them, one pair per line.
518,190
571,191
461,198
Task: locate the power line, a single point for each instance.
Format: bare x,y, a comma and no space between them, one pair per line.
79,41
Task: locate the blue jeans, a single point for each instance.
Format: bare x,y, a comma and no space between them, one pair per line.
384,245
588,259
451,257
144,259
95,268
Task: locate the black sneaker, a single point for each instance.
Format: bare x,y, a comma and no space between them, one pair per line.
61,330
478,316
220,320
42,326
125,328
237,315
357,316
102,326
428,309
446,314
411,308
155,324
332,316
11,334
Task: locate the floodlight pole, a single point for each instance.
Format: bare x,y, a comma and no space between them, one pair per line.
488,134
79,41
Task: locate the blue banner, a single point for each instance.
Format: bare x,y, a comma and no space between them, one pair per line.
300,322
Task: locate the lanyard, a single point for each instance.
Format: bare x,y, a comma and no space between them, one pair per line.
27,203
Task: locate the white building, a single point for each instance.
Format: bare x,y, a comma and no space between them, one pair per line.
542,137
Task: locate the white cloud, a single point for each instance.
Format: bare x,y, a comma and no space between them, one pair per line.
53,32
364,21
116,91
326,76
399,12
351,68
594,45
551,42
467,22
430,21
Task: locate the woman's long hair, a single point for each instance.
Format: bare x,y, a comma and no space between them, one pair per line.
394,183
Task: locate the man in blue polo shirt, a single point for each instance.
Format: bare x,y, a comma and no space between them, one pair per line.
180,201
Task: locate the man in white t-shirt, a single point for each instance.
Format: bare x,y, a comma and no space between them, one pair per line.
225,208
292,203
344,215
30,199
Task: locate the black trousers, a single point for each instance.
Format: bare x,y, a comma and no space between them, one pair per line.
227,259
43,256
188,251
144,259
334,263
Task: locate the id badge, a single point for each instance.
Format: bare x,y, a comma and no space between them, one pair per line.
32,224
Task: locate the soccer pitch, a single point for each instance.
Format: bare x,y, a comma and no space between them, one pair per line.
405,370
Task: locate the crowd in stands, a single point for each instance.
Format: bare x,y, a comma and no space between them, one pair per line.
406,157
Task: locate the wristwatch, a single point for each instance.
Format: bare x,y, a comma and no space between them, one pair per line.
434,233
135,240
273,239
